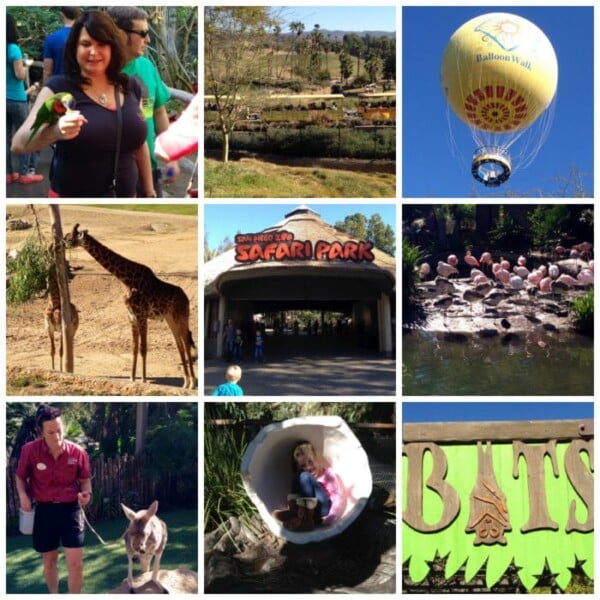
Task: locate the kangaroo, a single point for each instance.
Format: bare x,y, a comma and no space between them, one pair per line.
145,537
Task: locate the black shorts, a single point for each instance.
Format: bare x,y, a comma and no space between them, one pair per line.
57,523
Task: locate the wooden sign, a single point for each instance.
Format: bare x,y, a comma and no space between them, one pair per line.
281,245
491,493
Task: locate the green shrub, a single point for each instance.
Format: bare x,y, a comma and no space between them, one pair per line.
28,272
318,142
224,492
583,313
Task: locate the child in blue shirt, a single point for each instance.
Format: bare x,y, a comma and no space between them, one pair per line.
233,374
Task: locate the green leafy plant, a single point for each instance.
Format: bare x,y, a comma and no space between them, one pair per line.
583,311
224,492
28,272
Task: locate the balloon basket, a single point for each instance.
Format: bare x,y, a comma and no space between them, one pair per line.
491,166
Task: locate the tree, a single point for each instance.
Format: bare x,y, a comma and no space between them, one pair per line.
234,56
373,65
374,230
345,65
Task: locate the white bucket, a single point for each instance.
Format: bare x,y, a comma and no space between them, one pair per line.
26,521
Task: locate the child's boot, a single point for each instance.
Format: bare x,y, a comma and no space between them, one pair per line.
288,513
304,520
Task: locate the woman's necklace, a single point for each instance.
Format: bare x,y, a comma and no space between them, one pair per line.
102,98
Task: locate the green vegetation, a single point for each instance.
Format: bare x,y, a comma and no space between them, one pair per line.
411,257
257,179
583,311
27,272
104,567
327,142
224,492
169,209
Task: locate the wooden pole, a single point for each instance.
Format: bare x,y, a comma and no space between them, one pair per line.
63,287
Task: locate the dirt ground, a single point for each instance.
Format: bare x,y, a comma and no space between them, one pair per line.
168,244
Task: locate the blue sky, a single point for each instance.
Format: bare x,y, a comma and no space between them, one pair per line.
432,412
222,220
429,168
346,17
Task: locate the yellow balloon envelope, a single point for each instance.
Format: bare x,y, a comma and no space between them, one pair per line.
499,72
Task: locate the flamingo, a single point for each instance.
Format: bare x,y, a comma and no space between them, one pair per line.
567,279
535,277
445,270
516,283
521,271
424,271
521,261
479,279
452,260
444,286
585,277
503,276
553,271
476,273
471,260
545,284
486,262
504,264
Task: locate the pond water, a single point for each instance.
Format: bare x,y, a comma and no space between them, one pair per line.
557,364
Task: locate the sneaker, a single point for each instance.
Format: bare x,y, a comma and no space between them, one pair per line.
34,178
11,178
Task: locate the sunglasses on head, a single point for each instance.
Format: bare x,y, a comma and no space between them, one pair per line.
143,33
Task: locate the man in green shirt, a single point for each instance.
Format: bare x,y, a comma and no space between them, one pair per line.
133,22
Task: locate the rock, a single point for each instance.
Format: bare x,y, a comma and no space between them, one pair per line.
174,581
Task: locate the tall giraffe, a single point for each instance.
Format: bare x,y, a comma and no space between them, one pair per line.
148,297
52,316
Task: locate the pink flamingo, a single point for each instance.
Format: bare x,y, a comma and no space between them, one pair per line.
452,260
570,281
585,277
521,271
445,270
521,261
471,260
475,272
545,284
503,276
535,277
504,264
424,271
553,271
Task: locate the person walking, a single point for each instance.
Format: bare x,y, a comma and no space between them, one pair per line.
55,474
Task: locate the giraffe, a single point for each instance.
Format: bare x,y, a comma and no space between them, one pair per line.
147,297
52,316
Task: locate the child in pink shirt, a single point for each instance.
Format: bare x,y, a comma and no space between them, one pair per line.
316,496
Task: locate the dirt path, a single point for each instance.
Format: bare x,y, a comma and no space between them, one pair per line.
166,243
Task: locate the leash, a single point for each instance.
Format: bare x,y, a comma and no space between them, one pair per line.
94,531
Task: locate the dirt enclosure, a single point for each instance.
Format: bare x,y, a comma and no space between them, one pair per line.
168,244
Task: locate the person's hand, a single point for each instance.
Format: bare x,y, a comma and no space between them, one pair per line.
69,125
25,503
28,62
84,498
171,171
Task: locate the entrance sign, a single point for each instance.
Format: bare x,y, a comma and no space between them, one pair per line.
493,493
281,245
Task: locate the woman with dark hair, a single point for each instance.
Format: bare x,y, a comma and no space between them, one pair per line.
88,139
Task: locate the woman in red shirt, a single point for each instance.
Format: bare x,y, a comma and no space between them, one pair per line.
55,473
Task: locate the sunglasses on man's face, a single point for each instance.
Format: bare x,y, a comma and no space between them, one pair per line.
143,33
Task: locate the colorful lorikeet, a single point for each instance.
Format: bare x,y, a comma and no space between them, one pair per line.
52,110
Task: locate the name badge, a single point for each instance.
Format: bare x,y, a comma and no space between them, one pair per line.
41,467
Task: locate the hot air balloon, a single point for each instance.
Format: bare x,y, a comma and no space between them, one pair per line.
499,75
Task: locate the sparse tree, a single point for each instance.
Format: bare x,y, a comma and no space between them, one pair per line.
234,41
